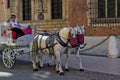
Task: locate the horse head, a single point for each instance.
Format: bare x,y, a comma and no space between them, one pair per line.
73,37
72,32
80,31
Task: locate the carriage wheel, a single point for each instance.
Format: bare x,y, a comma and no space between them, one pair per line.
8,57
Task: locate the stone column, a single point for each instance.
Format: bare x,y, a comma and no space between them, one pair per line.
112,48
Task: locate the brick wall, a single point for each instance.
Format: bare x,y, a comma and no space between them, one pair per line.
2,12
78,15
49,25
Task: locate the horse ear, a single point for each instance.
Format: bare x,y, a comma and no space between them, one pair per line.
72,28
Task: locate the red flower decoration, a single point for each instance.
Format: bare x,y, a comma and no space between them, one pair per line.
3,2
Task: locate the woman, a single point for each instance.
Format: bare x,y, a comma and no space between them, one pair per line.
15,27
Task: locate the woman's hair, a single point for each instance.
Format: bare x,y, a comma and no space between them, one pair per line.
13,16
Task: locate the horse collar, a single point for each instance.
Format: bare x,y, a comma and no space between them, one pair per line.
60,41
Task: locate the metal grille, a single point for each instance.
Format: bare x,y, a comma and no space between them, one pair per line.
56,9
104,12
26,6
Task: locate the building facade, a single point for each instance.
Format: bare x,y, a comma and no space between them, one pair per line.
50,15
100,17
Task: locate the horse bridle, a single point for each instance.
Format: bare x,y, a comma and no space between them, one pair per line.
60,40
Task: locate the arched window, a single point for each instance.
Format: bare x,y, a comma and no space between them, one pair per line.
56,9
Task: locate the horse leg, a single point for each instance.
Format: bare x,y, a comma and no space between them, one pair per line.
79,59
33,59
67,60
58,64
40,62
50,60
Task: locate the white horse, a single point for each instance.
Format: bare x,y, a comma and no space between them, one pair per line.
39,45
79,30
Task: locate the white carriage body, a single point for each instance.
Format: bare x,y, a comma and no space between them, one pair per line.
16,47
21,41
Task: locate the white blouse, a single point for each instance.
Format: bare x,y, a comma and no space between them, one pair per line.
14,24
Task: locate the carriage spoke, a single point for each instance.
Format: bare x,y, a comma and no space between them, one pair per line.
5,60
5,54
10,63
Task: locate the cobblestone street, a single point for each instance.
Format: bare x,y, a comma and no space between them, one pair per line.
96,68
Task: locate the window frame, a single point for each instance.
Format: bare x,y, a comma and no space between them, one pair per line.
56,9
29,11
94,14
8,4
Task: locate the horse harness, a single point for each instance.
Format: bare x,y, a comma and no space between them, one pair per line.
49,43
58,37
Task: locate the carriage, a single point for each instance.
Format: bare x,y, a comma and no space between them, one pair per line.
9,48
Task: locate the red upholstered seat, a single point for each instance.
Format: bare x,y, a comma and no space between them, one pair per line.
14,35
27,31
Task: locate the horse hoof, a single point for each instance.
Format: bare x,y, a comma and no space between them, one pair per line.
61,73
35,69
67,70
48,64
54,66
81,70
39,66
57,71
